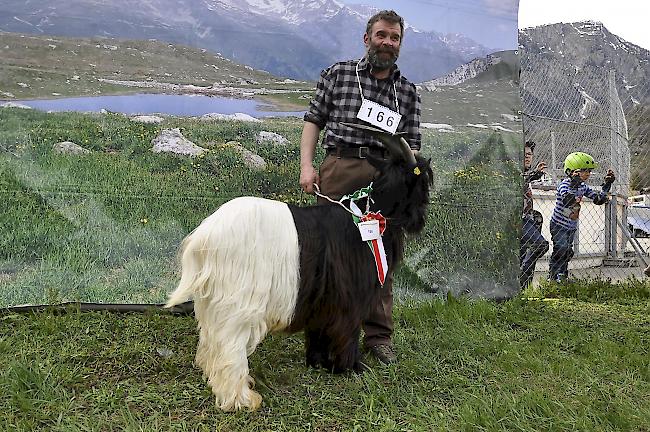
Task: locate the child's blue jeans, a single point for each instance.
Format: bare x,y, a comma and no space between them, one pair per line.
562,238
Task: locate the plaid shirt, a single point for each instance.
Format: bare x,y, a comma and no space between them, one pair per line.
337,99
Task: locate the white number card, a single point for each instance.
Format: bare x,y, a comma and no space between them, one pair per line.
379,115
369,230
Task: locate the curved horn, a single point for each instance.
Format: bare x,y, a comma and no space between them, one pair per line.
396,144
408,153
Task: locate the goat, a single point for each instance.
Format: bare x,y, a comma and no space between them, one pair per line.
256,266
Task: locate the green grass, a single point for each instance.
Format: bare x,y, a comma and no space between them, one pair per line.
547,364
75,66
106,226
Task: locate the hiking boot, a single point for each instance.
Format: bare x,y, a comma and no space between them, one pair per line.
384,353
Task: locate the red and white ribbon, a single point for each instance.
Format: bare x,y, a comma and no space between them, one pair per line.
377,246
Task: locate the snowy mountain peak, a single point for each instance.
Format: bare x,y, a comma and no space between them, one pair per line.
291,11
289,38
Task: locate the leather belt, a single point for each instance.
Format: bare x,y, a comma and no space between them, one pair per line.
357,152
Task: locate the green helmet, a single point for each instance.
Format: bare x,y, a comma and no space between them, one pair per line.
579,160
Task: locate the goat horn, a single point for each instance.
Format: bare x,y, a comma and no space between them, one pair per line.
395,143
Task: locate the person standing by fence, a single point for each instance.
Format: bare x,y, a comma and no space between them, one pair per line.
564,221
533,244
349,92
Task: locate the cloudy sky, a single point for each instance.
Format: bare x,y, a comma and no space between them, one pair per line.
493,23
629,19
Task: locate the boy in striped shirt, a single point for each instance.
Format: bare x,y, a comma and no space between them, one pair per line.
564,221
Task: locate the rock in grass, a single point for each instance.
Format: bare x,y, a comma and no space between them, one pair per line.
14,105
173,141
251,160
68,147
230,117
271,137
147,119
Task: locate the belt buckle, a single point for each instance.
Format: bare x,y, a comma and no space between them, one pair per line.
361,156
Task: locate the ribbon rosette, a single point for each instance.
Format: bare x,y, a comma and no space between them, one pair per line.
377,246
379,217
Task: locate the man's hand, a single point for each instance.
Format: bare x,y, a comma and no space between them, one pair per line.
538,172
609,177
308,176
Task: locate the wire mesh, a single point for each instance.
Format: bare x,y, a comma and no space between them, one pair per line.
568,109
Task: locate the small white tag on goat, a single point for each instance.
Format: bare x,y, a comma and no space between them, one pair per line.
369,230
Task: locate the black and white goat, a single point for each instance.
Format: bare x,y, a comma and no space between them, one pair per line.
255,266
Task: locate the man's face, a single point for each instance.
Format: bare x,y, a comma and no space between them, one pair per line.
383,43
528,157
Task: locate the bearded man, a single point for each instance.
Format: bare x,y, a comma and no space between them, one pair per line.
369,91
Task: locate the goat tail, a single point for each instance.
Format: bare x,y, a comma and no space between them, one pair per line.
193,276
242,256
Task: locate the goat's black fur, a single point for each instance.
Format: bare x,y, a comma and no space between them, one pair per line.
338,277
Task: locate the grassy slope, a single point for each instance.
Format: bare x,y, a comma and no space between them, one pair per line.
48,64
556,364
477,102
106,225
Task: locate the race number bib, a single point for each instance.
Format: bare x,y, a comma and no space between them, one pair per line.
379,115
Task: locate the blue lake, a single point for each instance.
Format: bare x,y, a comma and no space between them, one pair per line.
179,105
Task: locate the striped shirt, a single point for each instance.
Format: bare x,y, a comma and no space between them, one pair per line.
567,215
337,99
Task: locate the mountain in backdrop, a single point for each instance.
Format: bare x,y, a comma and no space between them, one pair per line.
495,66
291,38
584,51
483,93
565,74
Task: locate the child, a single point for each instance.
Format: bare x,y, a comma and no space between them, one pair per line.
564,221
533,244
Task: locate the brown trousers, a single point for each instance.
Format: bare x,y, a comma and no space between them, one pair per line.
338,177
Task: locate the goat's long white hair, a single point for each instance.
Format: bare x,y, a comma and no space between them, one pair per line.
235,309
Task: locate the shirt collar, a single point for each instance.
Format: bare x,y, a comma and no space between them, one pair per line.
395,72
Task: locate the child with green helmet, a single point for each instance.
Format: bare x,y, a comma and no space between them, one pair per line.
564,221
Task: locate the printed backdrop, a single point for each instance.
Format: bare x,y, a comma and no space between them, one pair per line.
113,149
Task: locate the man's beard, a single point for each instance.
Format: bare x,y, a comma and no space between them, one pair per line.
376,60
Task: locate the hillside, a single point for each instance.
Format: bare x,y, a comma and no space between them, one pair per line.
482,92
495,66
565,75
44,66
292,38
576,49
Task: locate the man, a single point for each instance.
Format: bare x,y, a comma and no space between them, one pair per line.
372,83
533,244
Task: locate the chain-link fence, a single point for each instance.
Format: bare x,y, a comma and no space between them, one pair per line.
571,109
